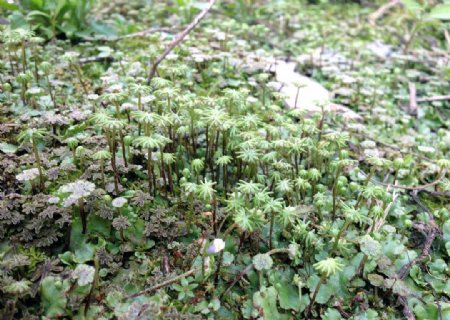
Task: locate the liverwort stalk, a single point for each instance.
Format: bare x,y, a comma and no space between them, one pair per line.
326,268
33,136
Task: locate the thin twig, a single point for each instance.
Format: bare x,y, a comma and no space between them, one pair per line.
142,33
95,59
437,193
447,37
413,188
431,230
431,233
412,99
163,284
247,270
373,17
434,98
178,39
380,222
409,315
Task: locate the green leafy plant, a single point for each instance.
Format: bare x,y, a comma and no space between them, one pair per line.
424,15
53,18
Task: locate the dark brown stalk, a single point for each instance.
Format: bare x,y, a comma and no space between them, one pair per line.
178,39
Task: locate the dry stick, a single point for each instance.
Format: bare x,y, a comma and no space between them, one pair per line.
431,229
142,33
412,188
437,193
380,222
95,59
247,270
431,233
447,36
412,99
434,98
178,39
406,309
373,17
163,284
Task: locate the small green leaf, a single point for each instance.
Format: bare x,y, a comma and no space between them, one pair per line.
54,300
266,299
446,230
8,148
375,279
288,296
332,314
439,12
370,246
412,6
8,6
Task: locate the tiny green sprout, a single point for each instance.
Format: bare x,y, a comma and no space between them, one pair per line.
352,215
72,143
102,155
23,36
150,143
33,94
326,268
46,68
205,190
168,160
197,166
116,98
284,187
302,185
248,188
224,161
33,136
185,289
139,90
272,207
24,79
249,220
147,119
287,216
190,190
72,58
80,153
251,157
443,164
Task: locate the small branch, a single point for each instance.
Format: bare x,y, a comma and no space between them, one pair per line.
247,270
409,315
431,230
163,284
412,99
431,233
236,279
414,188
380,222
178,39
381,11
434,98
95,59
447,37
437,193
142,33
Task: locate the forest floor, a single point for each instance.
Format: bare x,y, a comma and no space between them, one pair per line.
283,160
